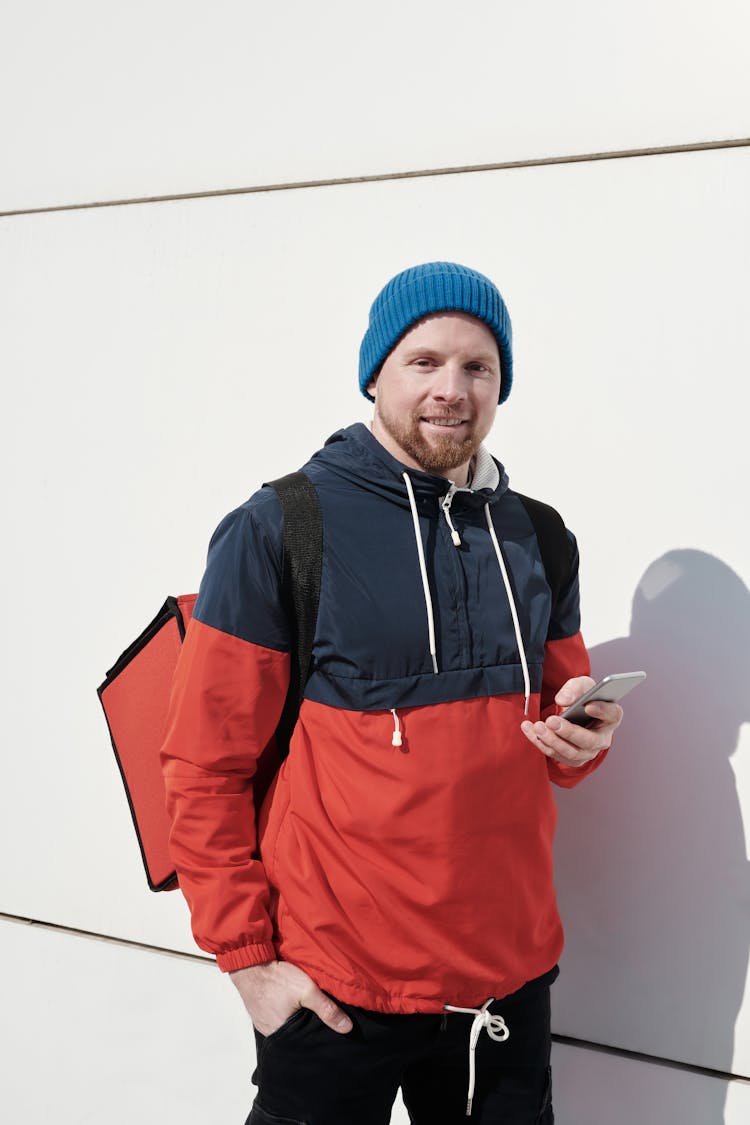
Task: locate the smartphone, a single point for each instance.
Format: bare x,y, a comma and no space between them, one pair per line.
609,690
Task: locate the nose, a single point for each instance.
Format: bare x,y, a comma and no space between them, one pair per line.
450,383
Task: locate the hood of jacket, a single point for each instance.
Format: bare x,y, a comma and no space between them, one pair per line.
356,455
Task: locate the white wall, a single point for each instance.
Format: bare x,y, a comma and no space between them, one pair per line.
160,360
163,97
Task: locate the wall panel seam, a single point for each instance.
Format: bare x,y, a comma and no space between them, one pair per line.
381,177
653,1060
111,939
563,1040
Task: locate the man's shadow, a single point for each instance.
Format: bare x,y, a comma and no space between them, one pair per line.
652,875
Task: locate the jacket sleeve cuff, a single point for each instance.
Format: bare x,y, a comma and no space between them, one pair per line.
246,956
567,777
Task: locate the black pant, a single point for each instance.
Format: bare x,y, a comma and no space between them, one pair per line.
310,1075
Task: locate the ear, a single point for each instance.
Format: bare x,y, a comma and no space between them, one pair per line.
370,388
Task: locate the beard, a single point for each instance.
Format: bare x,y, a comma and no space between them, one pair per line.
436,454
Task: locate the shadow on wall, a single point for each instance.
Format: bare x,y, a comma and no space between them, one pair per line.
653,880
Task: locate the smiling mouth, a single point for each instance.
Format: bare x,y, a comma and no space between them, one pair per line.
447,422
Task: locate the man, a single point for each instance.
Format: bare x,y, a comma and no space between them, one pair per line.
400,929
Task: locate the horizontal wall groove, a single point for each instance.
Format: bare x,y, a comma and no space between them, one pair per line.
92,935
653,1060
563,1040
382,177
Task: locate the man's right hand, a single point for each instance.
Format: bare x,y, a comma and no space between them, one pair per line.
273,991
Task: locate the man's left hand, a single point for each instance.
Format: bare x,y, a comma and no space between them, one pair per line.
568,743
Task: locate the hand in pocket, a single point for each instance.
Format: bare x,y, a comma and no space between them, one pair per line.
274,991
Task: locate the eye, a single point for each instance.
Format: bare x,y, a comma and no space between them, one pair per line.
424,361
477,367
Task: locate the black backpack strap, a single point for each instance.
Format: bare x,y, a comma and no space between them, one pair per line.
554,546
300,587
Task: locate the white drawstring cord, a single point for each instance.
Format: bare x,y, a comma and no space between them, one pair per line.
513,611
396,739
423,570
497,1029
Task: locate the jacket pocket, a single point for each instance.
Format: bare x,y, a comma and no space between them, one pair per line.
268,839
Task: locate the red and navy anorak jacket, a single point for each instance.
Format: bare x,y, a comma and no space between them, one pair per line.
400,877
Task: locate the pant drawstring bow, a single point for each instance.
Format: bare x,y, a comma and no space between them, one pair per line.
497,1029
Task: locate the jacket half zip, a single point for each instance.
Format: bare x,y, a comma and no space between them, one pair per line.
445,504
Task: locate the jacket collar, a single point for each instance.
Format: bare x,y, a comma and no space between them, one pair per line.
356,454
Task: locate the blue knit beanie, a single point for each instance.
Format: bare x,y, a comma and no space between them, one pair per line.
431,288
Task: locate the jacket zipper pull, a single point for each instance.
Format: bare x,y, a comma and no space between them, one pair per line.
396,738
446,506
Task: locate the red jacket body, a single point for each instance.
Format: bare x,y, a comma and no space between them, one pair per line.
401,877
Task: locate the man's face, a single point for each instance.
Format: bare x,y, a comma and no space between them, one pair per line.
436,394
